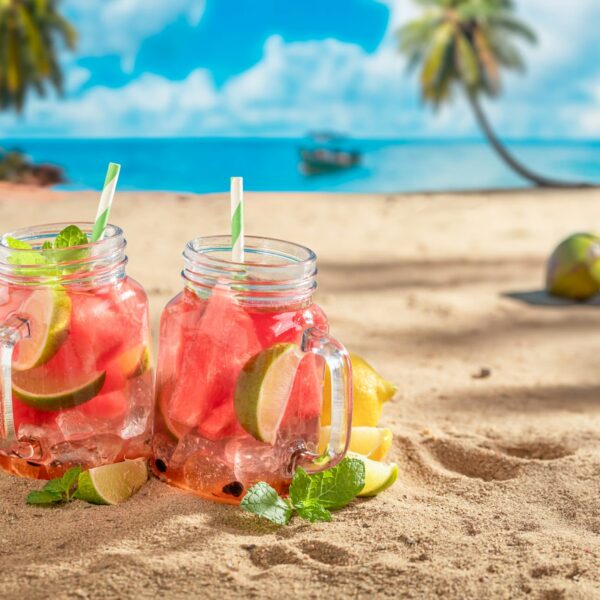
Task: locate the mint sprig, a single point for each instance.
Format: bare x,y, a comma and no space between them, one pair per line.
70,236
312,497
56,491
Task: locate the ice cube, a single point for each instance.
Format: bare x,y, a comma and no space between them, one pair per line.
253,461
90,452
189,444
136,422
75,425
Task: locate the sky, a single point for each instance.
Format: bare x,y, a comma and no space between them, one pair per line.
178,68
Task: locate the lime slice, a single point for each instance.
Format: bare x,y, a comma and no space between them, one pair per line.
48,311
111,484
44,390
378,476
135,361
263,389
372,442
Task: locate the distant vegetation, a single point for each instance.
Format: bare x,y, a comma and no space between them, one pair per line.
31,34
464,44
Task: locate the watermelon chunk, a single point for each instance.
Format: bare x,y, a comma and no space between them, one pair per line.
212,355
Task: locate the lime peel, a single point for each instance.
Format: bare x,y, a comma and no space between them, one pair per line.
37,389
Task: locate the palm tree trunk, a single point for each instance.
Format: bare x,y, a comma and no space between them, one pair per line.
508,158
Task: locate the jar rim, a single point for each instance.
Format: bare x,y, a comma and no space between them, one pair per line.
87,264
48,230
283,272
203,246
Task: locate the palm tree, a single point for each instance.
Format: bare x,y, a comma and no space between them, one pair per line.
465,44
30,32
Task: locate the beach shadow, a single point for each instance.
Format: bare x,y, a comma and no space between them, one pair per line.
533,400
433,274
483,332
543,298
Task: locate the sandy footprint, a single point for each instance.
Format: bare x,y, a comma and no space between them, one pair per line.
327,553
426,453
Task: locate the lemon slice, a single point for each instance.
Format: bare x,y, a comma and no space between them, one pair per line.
263,389
112,484
372,442
48,311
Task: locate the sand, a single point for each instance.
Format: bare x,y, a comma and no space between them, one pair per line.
499,492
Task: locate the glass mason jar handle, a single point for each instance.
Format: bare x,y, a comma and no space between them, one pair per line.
13,329
335,355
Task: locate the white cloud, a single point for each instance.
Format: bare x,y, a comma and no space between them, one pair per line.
295,88
327,84
151,105
120,26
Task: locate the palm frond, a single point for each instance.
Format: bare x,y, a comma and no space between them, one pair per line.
415,38
466,61
489,65
436,59
505,52
514,26
29,33
465,42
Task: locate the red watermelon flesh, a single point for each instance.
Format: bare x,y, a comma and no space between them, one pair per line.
211,358
106,320
306,396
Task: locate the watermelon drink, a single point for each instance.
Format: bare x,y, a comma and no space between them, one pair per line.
241,366
78,387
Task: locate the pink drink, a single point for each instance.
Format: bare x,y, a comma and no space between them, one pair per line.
207,336
90,400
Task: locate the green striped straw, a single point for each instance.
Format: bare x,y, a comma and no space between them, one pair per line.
106,198
237,219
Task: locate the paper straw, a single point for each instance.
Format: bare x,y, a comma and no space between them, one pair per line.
237,219
106,198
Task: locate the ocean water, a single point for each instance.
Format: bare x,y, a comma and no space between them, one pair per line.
205,164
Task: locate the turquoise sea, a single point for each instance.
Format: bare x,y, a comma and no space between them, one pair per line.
205,164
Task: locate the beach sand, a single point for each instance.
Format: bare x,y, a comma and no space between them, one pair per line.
499,491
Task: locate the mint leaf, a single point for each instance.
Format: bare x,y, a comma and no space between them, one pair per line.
261,499
69,479
55,486
333,488
56,490
25,258
70,236
16,244
44,497
313,512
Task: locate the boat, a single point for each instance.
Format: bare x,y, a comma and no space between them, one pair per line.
326,154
